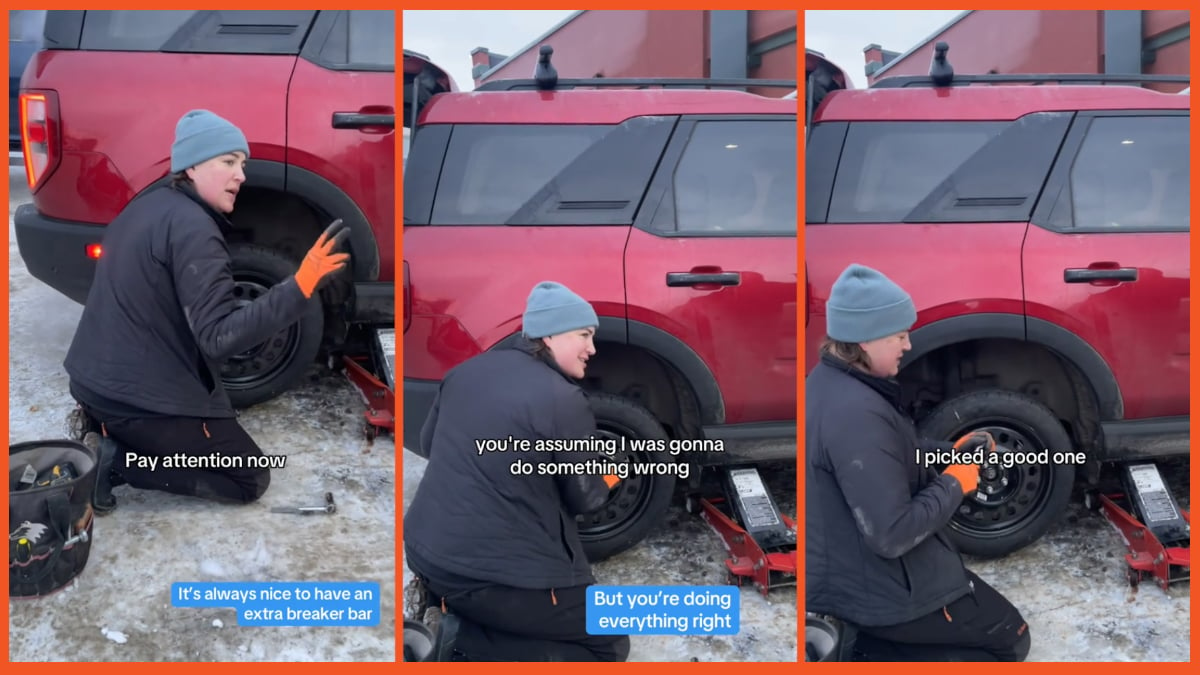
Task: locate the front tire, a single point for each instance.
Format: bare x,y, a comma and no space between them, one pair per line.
637,504
267,370
1012,507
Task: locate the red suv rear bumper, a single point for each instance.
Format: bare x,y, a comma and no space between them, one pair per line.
55,251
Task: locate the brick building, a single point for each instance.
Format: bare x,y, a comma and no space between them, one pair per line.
1050,41
757,44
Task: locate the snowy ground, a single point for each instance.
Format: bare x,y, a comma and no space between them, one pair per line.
120,608
1071,588
684,551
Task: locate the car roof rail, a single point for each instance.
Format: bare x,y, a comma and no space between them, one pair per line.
638,83
1039,78
941,74
545,78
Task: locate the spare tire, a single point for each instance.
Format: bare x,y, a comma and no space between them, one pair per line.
267,370
637,504
1012,507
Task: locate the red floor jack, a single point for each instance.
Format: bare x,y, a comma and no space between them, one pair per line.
379,394
761,541
1156,531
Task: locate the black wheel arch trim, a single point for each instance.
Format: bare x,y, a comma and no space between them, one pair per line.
667,347
271,175
1070,346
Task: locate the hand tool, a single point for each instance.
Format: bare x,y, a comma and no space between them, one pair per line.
329,507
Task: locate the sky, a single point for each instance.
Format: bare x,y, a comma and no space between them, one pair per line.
447,37
841,34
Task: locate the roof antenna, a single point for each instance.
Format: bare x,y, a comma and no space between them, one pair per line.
543,72
940,70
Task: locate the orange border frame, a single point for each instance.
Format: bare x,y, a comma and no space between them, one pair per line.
1194,384
127,668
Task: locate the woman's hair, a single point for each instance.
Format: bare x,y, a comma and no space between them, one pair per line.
536,347
850,352
180,178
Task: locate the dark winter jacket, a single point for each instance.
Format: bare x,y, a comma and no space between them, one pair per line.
161,315
472,516
875,551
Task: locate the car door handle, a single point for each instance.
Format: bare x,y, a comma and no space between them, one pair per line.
358,120
1078,275
675,279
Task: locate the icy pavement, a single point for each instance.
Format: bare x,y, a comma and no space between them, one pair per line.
684,551
119,608
1071,588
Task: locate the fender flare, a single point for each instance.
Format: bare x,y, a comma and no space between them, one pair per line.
319,192
666,347
1074,349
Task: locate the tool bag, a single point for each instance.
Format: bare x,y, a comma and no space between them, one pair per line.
50,487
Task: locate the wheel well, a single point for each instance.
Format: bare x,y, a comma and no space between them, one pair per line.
276,220
287,223
1027,368
639,375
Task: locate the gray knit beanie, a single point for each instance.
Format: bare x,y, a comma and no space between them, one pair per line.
865,305
201,135
553,308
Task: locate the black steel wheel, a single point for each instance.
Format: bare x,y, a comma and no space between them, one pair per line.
1014,504
638,502
270,368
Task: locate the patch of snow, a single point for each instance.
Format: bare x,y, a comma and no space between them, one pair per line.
211,568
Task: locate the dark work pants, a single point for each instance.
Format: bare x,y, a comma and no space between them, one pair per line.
162,437
983,626
498,623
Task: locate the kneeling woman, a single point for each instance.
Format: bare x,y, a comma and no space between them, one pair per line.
498,548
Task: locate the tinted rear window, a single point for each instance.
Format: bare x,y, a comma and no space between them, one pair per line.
490,171
888,168
206,31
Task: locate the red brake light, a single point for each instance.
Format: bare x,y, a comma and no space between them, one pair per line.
39,137
93,251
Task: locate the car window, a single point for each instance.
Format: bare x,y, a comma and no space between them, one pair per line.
888,168
737,177
195,32
490,171
362,38
131,30
1132,173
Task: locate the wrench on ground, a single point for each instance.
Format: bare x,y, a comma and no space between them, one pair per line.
329,507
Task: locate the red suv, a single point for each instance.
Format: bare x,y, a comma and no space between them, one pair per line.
1042,229
669,205
314,92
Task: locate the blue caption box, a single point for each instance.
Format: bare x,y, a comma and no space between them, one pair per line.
663,610
286,603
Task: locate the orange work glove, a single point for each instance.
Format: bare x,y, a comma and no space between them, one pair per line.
320,262
967,475
974,440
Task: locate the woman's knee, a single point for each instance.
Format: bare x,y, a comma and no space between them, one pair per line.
620,647
256,486
262,482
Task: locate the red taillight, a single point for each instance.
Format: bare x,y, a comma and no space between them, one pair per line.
93,251
38,134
